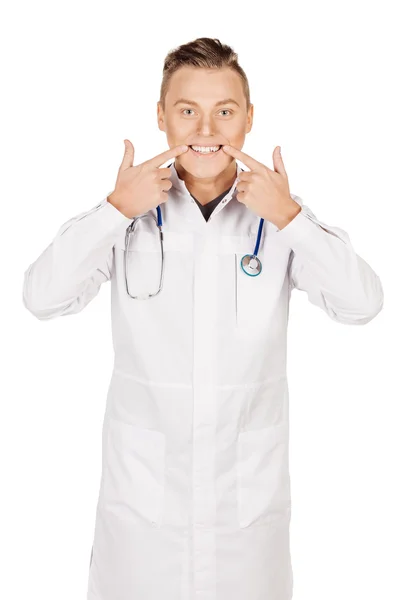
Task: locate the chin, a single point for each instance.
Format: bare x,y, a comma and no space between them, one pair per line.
204,170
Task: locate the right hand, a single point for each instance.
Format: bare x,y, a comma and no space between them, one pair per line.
143,187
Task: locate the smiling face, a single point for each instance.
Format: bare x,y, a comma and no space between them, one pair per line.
205,107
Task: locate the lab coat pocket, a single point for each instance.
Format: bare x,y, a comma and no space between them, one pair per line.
251,297
263,482
135,470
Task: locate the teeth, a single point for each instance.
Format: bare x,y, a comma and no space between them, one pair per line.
206,149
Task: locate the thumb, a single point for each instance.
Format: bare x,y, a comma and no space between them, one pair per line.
129,154
279,167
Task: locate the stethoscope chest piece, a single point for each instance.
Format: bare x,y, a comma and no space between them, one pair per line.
251,265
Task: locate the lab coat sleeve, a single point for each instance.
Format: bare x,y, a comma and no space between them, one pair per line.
69,272
323,263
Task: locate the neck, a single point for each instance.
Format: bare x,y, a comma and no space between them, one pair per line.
205,189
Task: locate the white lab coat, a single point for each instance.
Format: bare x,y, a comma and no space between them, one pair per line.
194,500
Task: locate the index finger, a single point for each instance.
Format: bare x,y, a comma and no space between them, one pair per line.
158,160
247,160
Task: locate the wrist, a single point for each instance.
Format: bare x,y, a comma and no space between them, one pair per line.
292,210
114,201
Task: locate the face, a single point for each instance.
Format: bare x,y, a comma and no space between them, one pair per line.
212,113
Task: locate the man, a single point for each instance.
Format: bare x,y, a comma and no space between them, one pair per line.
194,501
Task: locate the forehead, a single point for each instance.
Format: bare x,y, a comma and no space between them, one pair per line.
205,86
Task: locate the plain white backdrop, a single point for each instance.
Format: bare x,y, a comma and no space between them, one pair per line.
80,77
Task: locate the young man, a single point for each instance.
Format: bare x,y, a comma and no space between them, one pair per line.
194,501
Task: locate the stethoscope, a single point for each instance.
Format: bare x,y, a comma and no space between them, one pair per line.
250,263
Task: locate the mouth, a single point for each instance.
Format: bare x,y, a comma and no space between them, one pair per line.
208,154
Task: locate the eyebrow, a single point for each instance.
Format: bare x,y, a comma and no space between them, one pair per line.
226,101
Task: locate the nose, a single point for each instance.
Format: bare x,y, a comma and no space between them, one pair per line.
206,127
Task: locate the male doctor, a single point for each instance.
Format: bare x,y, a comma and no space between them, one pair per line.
194,500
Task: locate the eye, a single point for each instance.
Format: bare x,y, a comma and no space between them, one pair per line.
187,109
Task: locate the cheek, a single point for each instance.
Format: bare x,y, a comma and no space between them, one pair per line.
237,138
177,126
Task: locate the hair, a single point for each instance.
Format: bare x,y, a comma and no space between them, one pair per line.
203,52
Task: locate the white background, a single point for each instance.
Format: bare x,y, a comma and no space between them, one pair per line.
78,78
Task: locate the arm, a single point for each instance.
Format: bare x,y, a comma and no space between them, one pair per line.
69,272
323,263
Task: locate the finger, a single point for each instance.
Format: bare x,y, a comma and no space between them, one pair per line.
245,176
127,160
240,197
158,160
242,186
247,160
164,172
164,196
165,185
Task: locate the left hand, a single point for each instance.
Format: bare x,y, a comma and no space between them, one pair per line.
264,191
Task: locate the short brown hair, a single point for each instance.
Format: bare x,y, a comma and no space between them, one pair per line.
203,53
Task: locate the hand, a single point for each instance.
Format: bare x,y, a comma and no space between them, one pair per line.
145,186
264,191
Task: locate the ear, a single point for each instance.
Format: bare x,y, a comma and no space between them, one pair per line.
250,115
160,117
